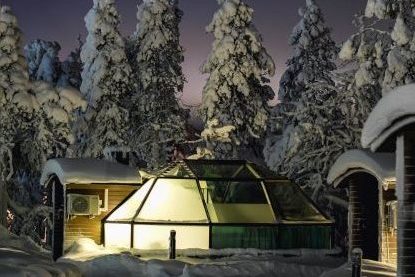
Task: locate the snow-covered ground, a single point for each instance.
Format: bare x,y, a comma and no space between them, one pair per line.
21,257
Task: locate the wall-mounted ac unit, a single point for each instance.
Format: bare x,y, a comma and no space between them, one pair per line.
80,204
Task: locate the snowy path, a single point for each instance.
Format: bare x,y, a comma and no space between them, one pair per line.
19,257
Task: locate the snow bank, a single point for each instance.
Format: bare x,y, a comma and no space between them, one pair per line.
94,260
381,165
22,257
87,171
394,111
369,269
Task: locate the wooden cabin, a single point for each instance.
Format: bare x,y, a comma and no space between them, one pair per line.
370,181
392,123
82,192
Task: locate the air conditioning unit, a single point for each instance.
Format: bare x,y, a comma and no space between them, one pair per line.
80,204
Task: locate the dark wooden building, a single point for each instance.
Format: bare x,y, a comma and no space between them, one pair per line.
391,127
369,179
82,192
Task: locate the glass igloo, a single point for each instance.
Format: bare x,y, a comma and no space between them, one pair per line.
218,204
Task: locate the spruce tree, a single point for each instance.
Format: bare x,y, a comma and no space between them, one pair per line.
236,95
312,120
105,80
157,119
16,105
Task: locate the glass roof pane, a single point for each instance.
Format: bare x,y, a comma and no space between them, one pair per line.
292,203
219,169
128,210
263,171
236,202
175,200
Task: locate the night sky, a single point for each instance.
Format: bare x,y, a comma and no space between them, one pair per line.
62,21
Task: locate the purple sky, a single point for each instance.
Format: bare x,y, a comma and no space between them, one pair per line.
62,21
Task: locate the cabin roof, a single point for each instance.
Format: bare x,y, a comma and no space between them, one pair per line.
393,112
380,165
88,171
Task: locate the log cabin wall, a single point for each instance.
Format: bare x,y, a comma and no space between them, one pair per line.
364,209
406,199
81,226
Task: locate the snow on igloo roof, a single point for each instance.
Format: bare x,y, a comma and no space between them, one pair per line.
87,171
394,111
381,165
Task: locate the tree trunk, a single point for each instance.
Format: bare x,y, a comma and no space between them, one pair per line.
405,173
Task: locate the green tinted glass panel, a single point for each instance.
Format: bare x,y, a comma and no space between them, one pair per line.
272,237
209,169
291,202
248,192
236,202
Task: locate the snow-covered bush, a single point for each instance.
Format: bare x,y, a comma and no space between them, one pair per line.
157,119
236,93
105,80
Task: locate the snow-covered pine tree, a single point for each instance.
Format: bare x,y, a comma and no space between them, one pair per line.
314,50
157,119
16,105
236,93
401,58
361,77
71,69
311,119
48,135
43,61
105,79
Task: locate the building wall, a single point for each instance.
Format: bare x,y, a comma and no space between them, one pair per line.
90,227
389,248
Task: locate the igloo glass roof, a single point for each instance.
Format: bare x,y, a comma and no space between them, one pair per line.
207,191
217,169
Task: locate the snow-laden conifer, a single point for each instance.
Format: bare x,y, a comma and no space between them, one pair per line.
105,79
157,119
236,93
311,112
16,104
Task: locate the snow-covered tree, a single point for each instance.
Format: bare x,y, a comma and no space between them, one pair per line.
157,119
43,60
236,93
105,79
71,69
312,119
314,50
48,135
401,58
16,105
362,75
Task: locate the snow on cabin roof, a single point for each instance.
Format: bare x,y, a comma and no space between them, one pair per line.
87,171
394,111
381,165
